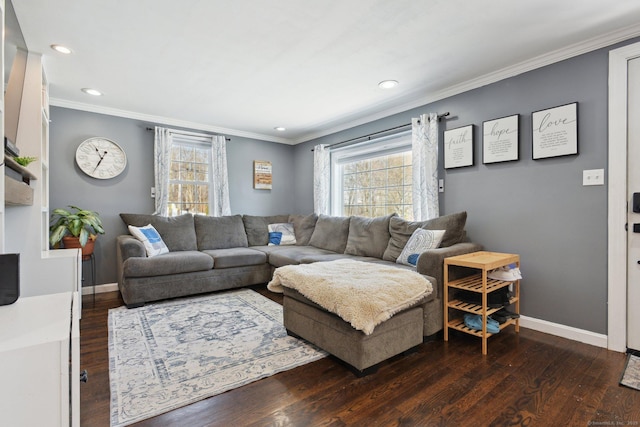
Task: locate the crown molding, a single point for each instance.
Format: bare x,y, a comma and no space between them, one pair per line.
540,61
57,102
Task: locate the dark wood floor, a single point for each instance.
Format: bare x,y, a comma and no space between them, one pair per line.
527,379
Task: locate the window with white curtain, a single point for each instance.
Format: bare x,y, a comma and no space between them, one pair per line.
373,178
190,177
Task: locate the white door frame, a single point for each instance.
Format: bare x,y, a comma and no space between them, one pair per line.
617,197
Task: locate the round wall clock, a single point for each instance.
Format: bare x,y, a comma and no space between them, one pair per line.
101,158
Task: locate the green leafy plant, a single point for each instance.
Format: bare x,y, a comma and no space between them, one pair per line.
24,161
80,223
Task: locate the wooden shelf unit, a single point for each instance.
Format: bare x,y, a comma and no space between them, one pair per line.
479,283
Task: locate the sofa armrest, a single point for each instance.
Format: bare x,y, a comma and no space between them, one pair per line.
431,262
128,246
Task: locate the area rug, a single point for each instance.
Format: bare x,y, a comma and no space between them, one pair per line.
631,375
167,355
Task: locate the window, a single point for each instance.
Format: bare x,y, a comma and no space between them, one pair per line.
189,176
373,178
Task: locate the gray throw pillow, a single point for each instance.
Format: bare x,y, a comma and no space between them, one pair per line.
331,233
256,227
221,232
177,232
452,223
401,230
368,236
303,226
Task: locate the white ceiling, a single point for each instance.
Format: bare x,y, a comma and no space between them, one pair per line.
244,67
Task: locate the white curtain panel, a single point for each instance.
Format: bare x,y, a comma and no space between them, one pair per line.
162,156
424,142
321,179
220,192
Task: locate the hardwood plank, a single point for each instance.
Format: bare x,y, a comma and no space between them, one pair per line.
528,377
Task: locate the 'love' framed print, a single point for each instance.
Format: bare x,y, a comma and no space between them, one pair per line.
555,131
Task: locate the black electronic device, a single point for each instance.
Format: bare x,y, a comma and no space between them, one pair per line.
10,148
9,278
636,202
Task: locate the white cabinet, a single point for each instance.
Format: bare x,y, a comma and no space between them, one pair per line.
39,361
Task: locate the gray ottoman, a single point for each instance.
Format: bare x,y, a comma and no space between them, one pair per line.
307,320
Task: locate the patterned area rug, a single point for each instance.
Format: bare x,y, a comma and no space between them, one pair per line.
631,376
167,355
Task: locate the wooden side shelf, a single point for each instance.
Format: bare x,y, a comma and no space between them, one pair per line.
481,284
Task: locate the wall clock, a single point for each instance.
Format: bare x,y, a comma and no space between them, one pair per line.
101,158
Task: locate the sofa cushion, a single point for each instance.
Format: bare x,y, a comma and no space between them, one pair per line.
236,257
294,254
256,227
220,232
169,263
368,236
420,241
401,230
303,226
331,233
178,232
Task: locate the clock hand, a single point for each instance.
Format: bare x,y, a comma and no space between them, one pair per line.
96,148
101,159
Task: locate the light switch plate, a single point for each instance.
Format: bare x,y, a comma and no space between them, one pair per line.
593,177
441,185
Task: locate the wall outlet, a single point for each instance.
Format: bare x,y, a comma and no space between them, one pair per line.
593,177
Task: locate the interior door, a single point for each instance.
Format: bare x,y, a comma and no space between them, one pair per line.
633,215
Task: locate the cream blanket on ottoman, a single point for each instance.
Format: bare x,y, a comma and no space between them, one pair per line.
361,293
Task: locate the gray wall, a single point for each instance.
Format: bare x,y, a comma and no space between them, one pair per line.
130,191
538,209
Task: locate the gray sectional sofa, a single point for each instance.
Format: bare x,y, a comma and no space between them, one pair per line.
214,253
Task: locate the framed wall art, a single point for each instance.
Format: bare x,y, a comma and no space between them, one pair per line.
555,131
262,175
458,147
500,139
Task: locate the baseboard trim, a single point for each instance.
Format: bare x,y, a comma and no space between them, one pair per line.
99,289
575,334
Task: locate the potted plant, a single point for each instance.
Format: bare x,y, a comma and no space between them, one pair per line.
76,229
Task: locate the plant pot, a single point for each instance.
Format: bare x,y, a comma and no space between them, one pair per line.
71,242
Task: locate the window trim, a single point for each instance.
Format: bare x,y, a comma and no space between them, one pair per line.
187,140
392,144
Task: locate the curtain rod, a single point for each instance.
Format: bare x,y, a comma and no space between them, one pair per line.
440,116
186,132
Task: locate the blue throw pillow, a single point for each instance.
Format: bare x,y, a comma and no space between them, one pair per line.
421,240
149,236
281,234
275,237
413,259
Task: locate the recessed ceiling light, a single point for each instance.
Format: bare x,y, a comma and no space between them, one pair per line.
280,128
90,91
61,49
388,84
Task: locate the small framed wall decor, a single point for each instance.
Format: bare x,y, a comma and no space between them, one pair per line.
262,175
555,131
500,139
458,147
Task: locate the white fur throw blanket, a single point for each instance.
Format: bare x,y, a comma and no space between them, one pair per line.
361,293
